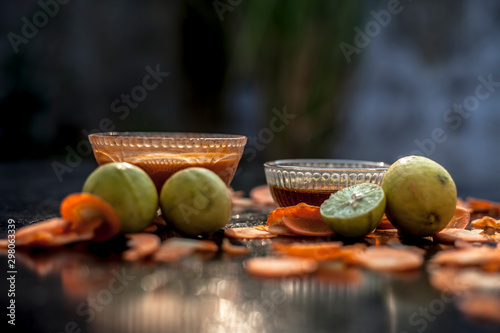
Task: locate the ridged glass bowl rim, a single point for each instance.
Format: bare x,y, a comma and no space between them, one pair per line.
345,165
235,139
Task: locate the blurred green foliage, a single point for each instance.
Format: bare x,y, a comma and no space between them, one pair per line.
290,49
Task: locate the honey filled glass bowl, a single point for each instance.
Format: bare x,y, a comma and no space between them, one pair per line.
312,181
161,154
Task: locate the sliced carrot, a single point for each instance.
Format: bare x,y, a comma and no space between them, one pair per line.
460,219
484,222
316,251
482,307
247,233
281,230
49,233
472,256
383,237
174,249
458,280
450,235
476,205
385,258
303,210
350,254
337,273
83,208
54,226
231,249
444,278
300,210
491,267
276,216
55,240
141,245
273,267
307,226
262,195
479,204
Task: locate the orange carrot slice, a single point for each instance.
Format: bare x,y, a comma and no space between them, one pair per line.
303,210
53,226
174,249
484,222
460,219
458,280
281,230
49,233
481,307
307,226
450,235
472,256
480,204
383,237
337,273
84,208
231,249
384,258
272,267
300,210
141,245
276,216
247,233
316,251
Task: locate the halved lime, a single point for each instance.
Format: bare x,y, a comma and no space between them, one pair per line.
354,211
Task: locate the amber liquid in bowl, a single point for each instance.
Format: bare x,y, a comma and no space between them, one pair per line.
161,166
290,197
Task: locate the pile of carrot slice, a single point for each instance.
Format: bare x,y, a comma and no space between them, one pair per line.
85,217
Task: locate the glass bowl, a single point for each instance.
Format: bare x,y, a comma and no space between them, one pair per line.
161,154
313,180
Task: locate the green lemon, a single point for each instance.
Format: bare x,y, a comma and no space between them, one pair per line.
421,195
195,201
129,190
354,211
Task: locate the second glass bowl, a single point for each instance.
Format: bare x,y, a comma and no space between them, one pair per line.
312,181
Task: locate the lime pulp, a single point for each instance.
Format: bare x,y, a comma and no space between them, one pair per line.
354,211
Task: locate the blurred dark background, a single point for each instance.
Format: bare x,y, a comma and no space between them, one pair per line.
371,80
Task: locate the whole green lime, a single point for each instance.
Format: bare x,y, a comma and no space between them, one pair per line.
195,201
354,211
129,190
421,195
